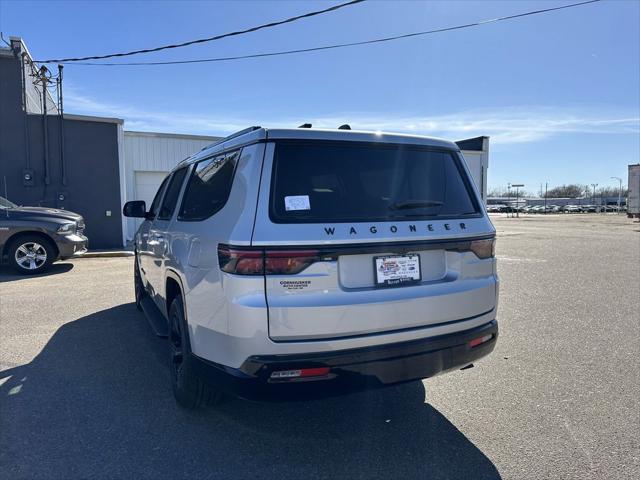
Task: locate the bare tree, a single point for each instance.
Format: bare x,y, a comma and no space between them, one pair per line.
566,191
612,192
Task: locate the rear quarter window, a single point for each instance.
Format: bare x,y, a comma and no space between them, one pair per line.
327,182
209,187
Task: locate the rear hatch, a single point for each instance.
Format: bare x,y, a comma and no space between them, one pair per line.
360,239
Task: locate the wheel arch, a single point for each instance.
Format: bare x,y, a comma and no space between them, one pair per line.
29,233
173,288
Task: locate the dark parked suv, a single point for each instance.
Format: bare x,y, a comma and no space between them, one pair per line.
31,238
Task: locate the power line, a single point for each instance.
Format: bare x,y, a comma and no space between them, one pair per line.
341,45
208,39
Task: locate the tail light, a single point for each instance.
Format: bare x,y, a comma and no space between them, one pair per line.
286,262
241,261
484,248
258,261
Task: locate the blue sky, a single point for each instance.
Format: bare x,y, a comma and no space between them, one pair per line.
558,93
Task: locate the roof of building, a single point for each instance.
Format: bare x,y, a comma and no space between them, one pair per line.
90,118
472,144
171,135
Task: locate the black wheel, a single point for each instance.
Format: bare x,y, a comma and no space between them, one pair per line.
31,254
137,283
189,391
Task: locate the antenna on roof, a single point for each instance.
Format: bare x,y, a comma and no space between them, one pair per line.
346,126
305,125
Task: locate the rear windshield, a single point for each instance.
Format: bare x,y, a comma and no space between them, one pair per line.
358,183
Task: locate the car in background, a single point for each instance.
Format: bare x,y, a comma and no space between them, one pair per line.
495,208
609,208
572,209
32,238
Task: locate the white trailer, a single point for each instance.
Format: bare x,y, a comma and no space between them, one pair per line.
633,197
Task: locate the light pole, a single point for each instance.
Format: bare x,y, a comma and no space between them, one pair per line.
508,198
517,187
546,186
619,192
593,198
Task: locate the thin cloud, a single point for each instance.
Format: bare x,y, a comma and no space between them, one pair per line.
504,126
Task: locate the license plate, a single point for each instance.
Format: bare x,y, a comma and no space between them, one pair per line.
395,270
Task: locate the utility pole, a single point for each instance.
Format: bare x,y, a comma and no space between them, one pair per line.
508,198
593,198
619,192
546,186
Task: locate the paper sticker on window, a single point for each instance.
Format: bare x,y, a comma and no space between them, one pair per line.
297,202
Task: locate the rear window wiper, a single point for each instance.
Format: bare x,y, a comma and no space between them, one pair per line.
409,204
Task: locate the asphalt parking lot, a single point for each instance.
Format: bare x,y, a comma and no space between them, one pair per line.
84,388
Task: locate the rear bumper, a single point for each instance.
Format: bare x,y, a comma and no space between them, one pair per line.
350,370
71,245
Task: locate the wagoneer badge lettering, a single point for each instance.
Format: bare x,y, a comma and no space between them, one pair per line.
394,228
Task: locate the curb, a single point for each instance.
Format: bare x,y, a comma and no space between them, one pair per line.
105,254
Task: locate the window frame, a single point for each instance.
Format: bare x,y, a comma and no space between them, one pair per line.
158,196
171,177
456,157
194,168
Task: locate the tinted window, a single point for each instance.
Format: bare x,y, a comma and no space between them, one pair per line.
209,187
171,196
155,205
325,182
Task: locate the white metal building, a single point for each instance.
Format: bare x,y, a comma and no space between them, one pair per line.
476,153
148,158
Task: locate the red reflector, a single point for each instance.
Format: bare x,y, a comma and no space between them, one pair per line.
478,341
314,372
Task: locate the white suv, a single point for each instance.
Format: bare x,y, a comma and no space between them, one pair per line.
283,260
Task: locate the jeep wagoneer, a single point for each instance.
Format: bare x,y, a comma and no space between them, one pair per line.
279,259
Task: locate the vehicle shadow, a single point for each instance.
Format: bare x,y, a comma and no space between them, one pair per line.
7,274
96,402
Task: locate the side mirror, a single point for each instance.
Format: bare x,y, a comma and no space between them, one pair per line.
136,209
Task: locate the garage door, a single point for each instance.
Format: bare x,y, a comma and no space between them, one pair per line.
146,186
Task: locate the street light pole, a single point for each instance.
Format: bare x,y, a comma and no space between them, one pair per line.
619,192
546,185
593,198
517,186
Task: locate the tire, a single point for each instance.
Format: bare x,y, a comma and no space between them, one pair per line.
138,286
31,254
189,390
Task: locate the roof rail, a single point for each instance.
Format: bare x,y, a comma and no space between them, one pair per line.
233,135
